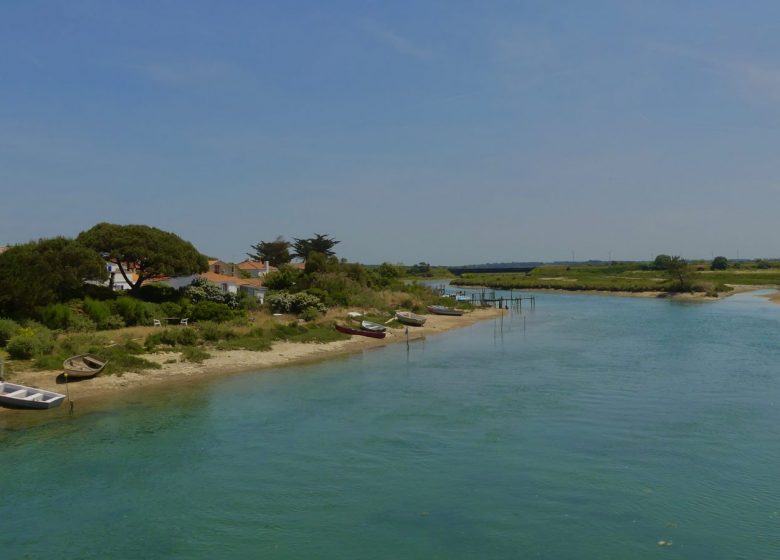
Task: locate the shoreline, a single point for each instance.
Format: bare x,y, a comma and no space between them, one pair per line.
91,392
686,296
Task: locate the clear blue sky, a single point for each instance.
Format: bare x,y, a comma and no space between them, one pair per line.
445,131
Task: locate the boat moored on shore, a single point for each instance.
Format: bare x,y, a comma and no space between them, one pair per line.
21,396
408,318
443,310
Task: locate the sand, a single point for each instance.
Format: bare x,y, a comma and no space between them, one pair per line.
234,361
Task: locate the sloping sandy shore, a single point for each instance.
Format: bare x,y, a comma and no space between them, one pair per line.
233,361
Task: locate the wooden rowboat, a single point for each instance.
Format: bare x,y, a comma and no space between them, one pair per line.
21,396
360,332
375,327
83,365
442,310
408,318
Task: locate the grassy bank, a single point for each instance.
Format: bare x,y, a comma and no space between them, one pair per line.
628,277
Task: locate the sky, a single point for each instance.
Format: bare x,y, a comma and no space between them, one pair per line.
448,131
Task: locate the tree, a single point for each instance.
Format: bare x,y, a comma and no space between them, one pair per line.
320,243
277,252
46,271
719,263
661,262
677,269
152,251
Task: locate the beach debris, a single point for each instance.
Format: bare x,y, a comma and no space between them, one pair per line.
354,314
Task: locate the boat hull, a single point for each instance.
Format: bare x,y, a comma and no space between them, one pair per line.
360,332
83,365
374,327
442,310
21,396
410,319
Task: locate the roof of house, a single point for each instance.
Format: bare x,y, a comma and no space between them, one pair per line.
255,265
224,279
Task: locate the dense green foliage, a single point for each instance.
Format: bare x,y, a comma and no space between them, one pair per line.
719,263
154,251
276,252
43,272
320,243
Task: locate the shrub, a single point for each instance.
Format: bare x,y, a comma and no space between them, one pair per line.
170,309
284,279
172,337
158,293
211,311
113,322
194,354
98,311
213,332
8,329
132,311
310,314
719,263
81,323
201,290
24,347
284,302
55,315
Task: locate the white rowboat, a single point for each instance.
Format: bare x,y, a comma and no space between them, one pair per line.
21,396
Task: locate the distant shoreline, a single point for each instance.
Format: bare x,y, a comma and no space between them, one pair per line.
687,296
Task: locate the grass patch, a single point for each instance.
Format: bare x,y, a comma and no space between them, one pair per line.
194,354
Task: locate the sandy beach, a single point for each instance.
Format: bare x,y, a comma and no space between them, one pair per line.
234,361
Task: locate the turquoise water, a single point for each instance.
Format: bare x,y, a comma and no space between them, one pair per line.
603,427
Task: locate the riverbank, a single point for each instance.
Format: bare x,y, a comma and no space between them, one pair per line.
173,371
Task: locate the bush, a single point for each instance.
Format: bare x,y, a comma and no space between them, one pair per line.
23,347
171,309
284,279
310,314
284,302
193,354
214,332
113,322
8,329
98,311
132,311
211,311
172,337
81,323
158,293
201,290
55,316
719,263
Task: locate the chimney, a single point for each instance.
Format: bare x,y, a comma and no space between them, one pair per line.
267,267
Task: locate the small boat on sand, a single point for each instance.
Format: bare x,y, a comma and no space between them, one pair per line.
369,326
21,396
83,365
408,318
442,310
360,332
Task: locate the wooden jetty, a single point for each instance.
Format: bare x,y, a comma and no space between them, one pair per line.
488,298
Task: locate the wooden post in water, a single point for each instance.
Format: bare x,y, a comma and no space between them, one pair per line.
2,369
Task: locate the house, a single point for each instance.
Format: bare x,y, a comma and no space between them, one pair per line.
116,279
217,266
256,269
228,284
3,249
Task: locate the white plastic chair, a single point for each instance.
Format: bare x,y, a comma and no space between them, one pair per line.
184,321
157,323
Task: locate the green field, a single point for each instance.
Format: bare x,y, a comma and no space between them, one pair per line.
623,277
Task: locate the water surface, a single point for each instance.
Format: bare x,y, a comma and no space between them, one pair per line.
601,427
